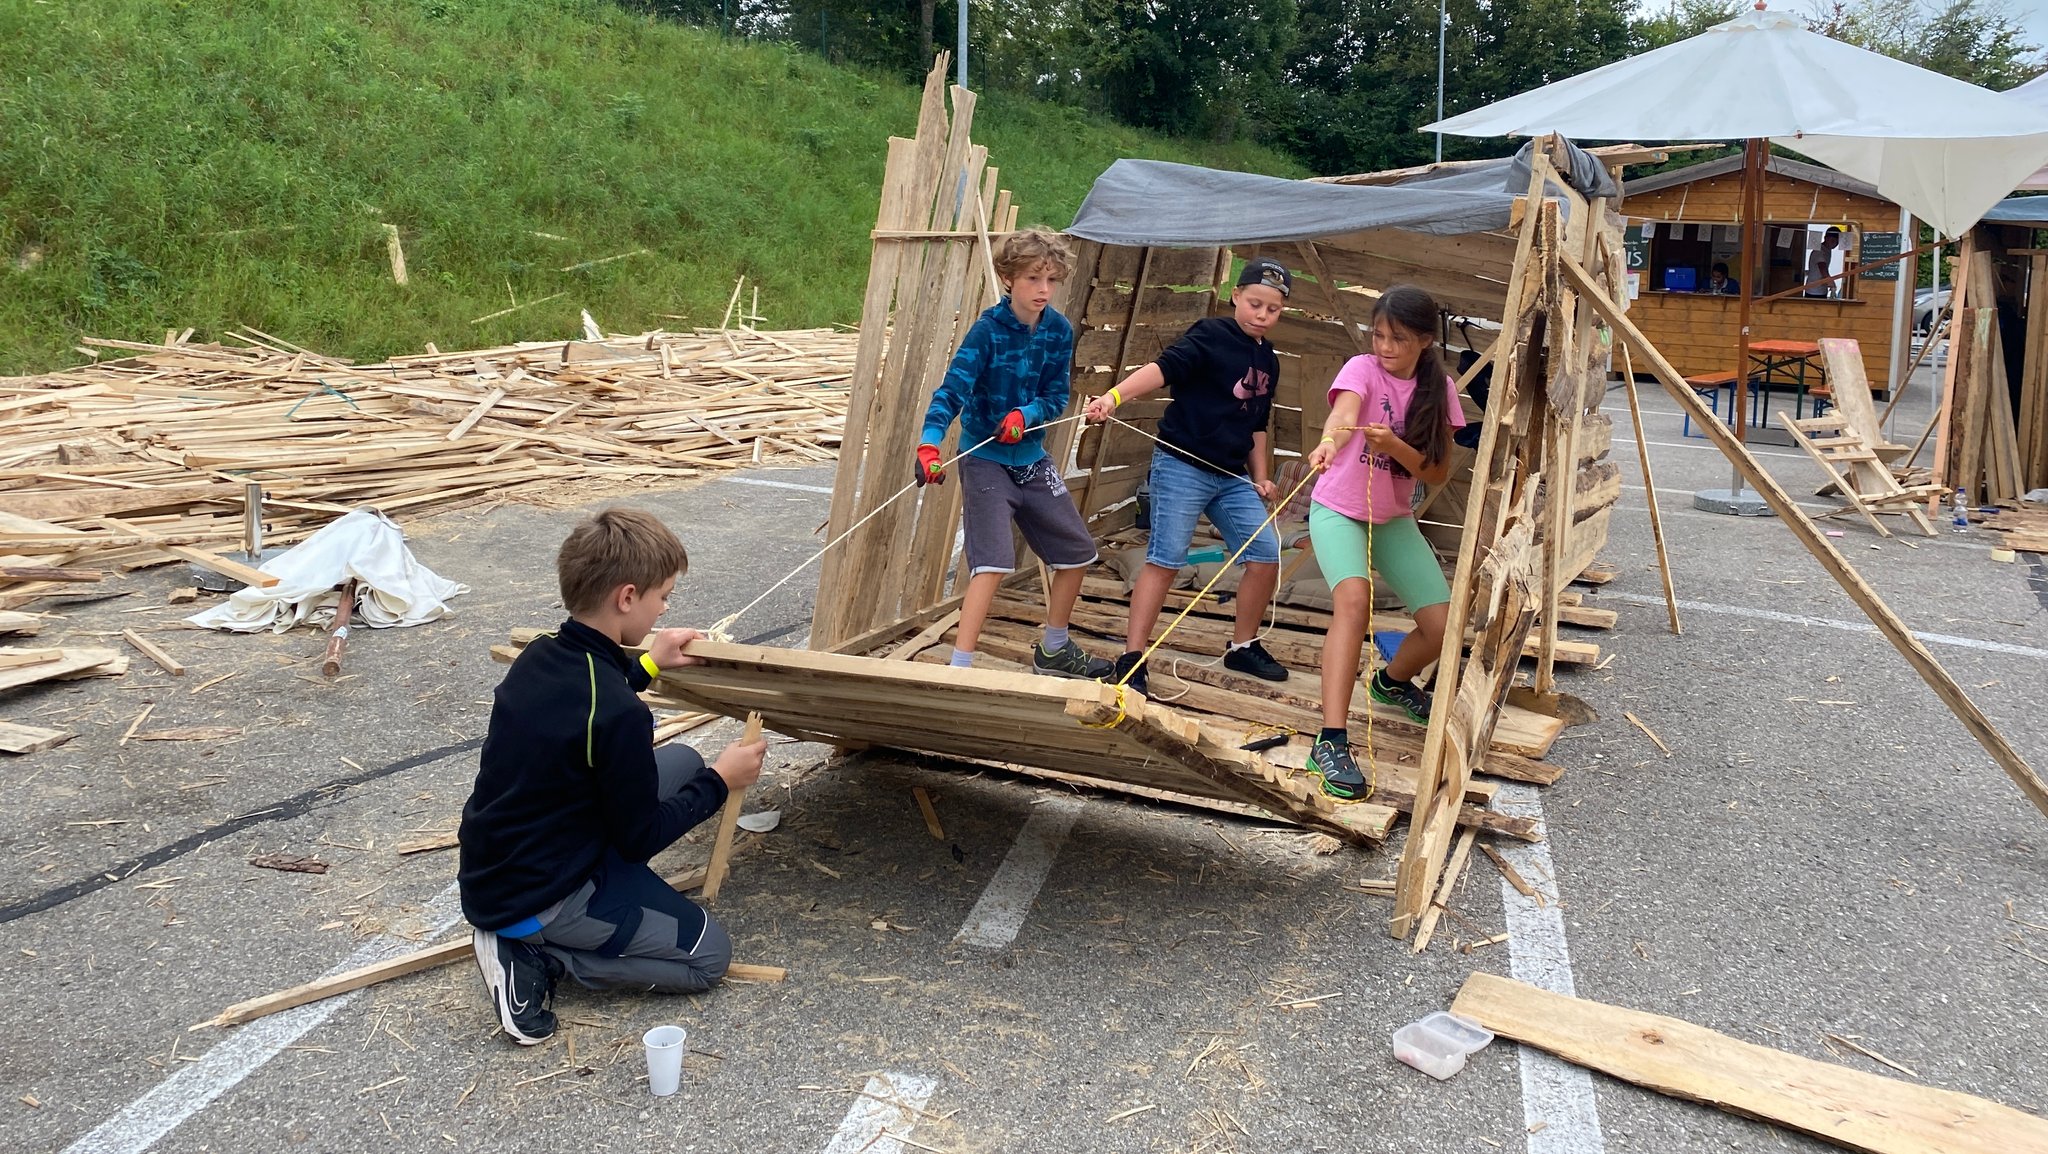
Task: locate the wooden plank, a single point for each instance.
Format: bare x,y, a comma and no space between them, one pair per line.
930,815
469,421
48,573
1831,560
154,652
18,738
1850,1108
214,563
728,822
73,662
20,658
20,624
1452,869
83,503
426,959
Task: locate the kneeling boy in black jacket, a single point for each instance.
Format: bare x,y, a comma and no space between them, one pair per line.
572,798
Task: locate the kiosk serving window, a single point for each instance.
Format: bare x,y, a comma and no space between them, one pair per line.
1706,258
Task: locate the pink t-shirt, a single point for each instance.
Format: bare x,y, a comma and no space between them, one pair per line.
1342,486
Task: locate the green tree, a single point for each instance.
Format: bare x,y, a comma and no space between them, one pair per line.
1188,67
1682,20
1968,39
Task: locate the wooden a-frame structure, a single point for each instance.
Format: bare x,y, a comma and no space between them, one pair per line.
1533,513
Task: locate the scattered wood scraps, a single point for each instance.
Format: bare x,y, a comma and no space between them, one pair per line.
289,863
129,461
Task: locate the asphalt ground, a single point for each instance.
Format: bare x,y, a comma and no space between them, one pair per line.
1825,851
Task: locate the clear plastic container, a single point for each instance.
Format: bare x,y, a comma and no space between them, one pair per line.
1439,1043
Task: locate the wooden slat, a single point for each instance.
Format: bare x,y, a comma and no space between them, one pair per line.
1850,1108
1831,560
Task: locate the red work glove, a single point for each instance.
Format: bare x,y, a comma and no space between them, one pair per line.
929,471
1011,430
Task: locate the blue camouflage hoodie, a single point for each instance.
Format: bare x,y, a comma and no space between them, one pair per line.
1003,365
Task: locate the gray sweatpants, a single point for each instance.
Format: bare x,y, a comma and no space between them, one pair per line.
626,929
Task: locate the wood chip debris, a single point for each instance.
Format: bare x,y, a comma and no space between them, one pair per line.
1647,731
289,863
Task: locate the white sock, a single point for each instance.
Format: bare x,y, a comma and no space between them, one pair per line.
1237,645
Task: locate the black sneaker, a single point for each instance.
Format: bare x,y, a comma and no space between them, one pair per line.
521,979
1131,664
1341,778
1254,659
1402,695
1068,660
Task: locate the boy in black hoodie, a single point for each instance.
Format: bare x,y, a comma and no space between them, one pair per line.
572,798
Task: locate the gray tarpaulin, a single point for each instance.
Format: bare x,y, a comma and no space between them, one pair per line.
1156,202
2019,210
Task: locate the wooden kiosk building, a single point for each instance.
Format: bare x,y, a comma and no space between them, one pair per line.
1683,222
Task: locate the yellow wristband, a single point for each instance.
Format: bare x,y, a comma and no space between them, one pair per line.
647,663
1116,399
1329,440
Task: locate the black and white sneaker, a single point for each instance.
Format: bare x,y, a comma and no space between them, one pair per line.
1069,660
1129,670
1252,658
521,979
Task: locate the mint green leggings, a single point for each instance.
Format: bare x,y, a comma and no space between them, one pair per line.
1396,549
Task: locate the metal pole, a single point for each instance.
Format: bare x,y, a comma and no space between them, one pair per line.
1443,19
1733,500
962,55
1752,230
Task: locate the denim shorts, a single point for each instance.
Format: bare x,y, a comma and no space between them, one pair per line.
1182,493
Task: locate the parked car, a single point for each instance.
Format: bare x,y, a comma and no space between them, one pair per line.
1927,304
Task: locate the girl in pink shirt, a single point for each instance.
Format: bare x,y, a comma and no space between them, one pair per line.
1390,424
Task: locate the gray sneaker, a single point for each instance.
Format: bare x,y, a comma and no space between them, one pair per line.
1068,660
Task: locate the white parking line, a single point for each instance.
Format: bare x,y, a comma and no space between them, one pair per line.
995,919
882,1115
159,1111
1773,615
765,483
1558,1106
1710,447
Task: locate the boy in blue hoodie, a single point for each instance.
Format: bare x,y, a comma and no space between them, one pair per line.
1010,376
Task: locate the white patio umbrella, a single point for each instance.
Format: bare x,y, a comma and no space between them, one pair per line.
2035,93
1942,149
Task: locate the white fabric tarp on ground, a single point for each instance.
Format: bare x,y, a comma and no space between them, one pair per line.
394,588
1943,149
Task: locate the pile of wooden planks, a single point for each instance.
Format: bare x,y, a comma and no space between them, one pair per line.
2025,529
1993,446
119,461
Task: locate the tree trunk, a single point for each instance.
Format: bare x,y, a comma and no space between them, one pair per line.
927,9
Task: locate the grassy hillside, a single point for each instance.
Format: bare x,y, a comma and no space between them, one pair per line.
212,163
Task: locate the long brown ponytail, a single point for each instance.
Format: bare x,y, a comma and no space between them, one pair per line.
1428,429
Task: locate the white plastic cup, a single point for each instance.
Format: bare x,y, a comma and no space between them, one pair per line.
664,1058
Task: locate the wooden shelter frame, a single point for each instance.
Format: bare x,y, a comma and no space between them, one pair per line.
1555,283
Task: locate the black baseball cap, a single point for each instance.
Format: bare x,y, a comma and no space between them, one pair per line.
1270,273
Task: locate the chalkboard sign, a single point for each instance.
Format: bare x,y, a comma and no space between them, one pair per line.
1880,246
1637,248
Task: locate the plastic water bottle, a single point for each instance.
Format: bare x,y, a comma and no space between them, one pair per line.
1962,521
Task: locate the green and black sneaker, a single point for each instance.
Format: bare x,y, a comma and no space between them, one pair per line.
1341,778
1405,696
1068,660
